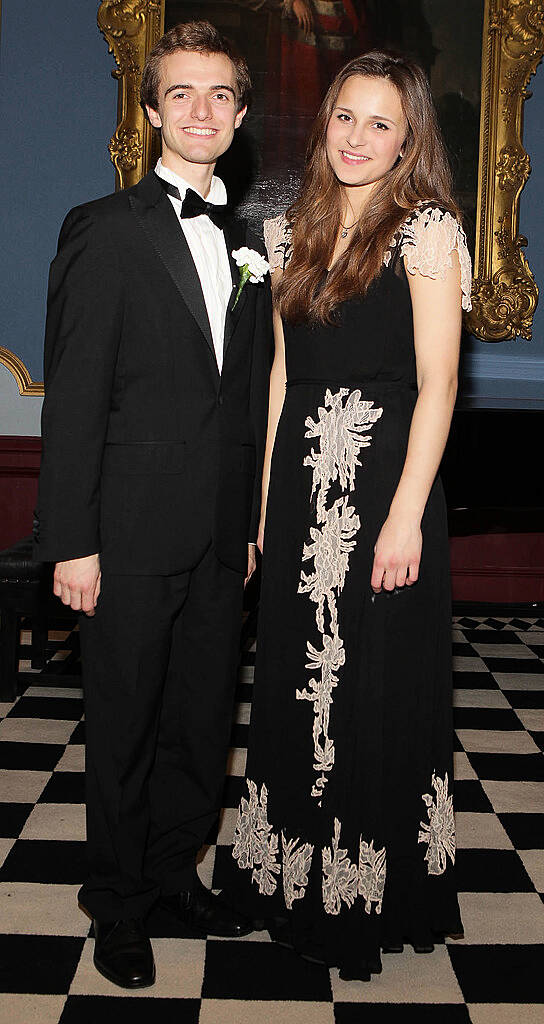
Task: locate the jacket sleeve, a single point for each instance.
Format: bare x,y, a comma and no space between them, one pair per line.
83,328
263,354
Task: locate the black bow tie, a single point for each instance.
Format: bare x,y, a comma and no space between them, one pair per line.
194,205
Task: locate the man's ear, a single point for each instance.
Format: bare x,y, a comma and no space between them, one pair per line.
240,117
154,117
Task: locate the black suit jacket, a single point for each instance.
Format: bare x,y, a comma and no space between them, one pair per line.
148,453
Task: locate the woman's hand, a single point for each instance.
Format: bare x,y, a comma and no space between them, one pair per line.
397,553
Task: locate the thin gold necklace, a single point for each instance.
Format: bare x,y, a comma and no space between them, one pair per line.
346,228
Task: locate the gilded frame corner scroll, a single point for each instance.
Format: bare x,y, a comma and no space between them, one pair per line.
504,291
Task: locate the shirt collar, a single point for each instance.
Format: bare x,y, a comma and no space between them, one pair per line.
216,195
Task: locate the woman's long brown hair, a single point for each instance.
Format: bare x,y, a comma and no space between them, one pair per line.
422,174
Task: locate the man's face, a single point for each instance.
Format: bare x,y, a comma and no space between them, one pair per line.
197,108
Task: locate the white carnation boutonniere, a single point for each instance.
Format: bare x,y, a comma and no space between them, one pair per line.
252,266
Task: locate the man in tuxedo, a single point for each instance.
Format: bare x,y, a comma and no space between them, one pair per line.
154,423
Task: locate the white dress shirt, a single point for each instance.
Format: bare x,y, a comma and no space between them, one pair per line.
209,251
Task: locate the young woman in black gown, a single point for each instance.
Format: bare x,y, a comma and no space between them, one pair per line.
345,840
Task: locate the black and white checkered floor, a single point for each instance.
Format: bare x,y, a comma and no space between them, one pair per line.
494,976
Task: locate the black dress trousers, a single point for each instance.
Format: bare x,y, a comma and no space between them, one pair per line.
159,668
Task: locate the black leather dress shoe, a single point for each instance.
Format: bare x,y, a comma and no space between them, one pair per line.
123,954
202,911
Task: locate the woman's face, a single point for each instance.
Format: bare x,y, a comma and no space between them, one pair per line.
366,131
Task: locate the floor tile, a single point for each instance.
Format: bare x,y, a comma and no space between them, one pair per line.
533,861
243,712
236,764
480,699
474,680
54,821
516,797
35,730
29,756
261,1011
498,650
488,719
480,831
502,974
227,826
179,963
35,860
506,1013
12,818
485,741
48,707
519,681
73,759
78,735
406,978
5,847
30,1009
403,1013
509,767
462,768
32,908
473,664
525,698
525,830
468,795
53,958
502,917
145,1010
484,871
262,971
531,718
64,787
21,787
54,691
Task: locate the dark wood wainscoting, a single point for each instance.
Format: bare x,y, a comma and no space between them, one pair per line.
19,469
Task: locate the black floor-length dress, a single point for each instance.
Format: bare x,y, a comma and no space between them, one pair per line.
345,838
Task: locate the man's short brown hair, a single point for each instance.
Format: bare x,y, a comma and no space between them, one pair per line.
195,37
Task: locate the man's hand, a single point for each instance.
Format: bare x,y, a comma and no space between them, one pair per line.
77,583
251,563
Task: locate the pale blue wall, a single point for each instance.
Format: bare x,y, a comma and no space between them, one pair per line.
511,373
57,113
58,106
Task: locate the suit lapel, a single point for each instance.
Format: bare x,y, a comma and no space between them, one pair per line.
235,237
161,226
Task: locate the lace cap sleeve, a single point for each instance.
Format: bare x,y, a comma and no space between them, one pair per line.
277,238
428,240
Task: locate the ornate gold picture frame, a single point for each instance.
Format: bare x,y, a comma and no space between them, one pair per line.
504,294
504,291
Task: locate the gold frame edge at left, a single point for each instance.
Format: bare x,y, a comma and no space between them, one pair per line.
131,28
26,385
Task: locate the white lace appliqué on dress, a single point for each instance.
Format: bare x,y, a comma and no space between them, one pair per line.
255,845
340,428
340,875
297,860
439,832
372,871
427,240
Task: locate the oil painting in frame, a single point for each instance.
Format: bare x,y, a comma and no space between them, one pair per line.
479,55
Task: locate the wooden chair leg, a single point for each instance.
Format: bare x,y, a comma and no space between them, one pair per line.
9,650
